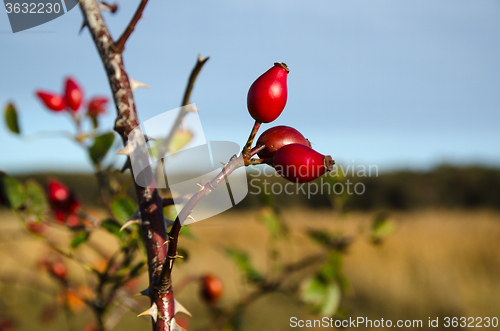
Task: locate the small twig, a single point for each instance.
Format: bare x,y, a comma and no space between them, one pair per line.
234,163
87,266
49,134
274,285
248,145
256,150
192,78
165,145
119,45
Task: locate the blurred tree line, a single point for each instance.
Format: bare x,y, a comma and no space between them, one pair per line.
443,187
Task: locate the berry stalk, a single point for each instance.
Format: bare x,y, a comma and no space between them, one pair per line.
248,145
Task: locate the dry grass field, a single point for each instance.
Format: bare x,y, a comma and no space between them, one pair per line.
438,263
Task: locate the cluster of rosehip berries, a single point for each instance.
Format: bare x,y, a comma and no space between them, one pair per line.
72,99
63,203
283,147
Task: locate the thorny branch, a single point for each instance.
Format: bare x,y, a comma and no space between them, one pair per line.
233,164
165,145
173,235
150,203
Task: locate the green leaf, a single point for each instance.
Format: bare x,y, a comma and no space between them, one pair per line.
332,300
79,239
154,148
272,221
382,227
313,291
11,118
181,138
35,193
242,261
14,191
170,212
122,208
113,227
322,237
321,296
101,146
332,269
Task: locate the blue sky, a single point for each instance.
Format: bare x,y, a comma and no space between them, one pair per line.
398,84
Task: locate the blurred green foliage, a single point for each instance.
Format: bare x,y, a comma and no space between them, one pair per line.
443,187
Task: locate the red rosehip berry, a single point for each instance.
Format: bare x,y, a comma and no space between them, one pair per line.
73,221
58,193
277,137
267,96
73,94
35,227
91,326
63,203
299,163
97,106
58,270
211,288
52,101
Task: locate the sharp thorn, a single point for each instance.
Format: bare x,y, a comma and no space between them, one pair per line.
191,108
135,84
84,24
201,186
152,311
224,164
178,308
128,223
107,7
124,151
143,292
